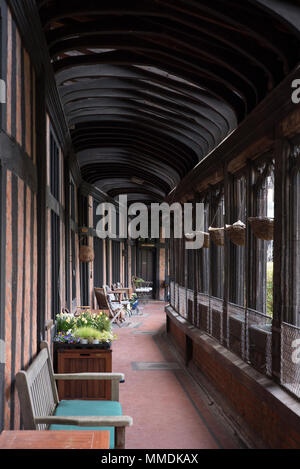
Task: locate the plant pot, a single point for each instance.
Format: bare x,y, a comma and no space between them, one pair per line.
217,236
206,241
262,227
86,254
96,342
237,233
84,341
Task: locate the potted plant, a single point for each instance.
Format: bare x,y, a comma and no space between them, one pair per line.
84,319
66,338
134,302
101,322
237,233
65,322
84,329
217,235
262,227
206,240
87,335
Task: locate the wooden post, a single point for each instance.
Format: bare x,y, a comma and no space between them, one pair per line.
196,272
120,438
227,266
281,254
41,204
188,350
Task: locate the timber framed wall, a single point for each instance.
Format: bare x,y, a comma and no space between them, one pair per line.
18,214
36,226
40,206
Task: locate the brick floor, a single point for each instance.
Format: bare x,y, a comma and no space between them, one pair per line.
166,405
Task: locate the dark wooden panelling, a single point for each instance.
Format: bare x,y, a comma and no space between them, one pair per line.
98,263
13,101
3,55
2,289
14,291
15,159
116,262
41,206
55,265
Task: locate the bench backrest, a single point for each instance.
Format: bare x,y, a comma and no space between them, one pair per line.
37,390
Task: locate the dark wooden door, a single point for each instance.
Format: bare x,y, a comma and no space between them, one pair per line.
146,267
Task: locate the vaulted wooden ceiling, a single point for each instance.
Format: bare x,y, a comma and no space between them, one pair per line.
149,88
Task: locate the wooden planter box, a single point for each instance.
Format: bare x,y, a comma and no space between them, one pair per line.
83,359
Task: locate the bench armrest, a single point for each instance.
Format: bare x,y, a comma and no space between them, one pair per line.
90,376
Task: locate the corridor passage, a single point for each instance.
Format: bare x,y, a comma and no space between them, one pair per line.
168,408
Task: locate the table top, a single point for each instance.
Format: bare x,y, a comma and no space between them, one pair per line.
54,439
119,290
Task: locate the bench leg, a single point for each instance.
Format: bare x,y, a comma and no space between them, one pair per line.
120,438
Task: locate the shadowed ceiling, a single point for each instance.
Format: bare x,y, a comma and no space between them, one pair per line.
149,88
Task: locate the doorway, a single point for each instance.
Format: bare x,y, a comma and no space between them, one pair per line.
146,268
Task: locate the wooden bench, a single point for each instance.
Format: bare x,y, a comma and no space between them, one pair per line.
42,410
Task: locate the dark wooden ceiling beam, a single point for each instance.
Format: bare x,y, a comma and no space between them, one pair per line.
153,149
115,87
133,74
232,16
181,107
201,35
157,174
118,183
95,172
163,83
155,143
182,122
221,87
168,134
209,54
155,152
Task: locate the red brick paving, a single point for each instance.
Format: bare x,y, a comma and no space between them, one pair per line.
166,406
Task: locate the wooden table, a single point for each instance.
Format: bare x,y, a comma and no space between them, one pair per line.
54,440
119,292
93,311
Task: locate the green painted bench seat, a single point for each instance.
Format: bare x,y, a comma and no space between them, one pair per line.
88,409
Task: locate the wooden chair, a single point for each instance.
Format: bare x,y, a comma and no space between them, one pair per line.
42,410
116,310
